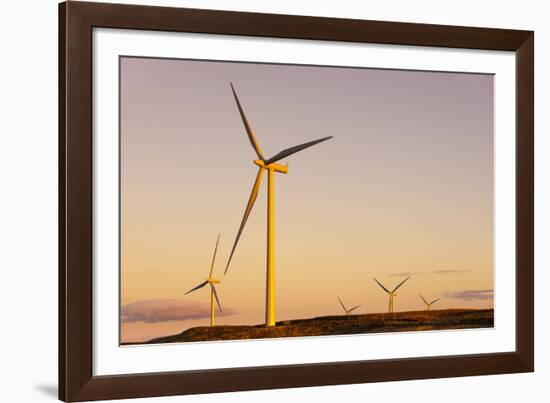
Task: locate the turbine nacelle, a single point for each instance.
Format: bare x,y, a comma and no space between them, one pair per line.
213,280
274,166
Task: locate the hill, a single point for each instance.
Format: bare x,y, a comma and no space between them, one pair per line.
337,325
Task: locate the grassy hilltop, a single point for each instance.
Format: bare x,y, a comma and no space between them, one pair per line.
337,325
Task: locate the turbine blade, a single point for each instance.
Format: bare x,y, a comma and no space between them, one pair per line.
400,284
341,303
216,296
354,308
251,200
295,149
380,284
247,126
197,287
434,301
214,257
423,299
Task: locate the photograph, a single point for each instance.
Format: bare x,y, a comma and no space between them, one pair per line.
263,200
285,201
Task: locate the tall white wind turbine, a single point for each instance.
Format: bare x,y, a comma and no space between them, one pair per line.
271,166
211,280
428,304
392,293
346,310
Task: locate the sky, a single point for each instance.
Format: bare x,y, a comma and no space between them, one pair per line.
405,187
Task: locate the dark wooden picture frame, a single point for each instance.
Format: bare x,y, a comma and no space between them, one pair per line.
76,22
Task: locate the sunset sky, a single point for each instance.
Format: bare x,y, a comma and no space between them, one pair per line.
404,187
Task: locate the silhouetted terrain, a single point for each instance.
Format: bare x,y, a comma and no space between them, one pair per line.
334,325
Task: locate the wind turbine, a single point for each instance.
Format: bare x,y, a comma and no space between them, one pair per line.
348,311
429,304
211,280
392,293
270,165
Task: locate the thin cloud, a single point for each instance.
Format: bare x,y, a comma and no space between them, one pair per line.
445,271
450,271
403,274
165,310
470,295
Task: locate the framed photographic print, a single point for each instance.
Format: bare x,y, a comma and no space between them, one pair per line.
252,201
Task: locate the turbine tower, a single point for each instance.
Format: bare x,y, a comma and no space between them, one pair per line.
270,165
392,293
429,304
347,311
211,280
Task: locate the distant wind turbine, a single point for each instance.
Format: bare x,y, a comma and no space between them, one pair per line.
346,310
211,280
271,167
392,293
429,304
